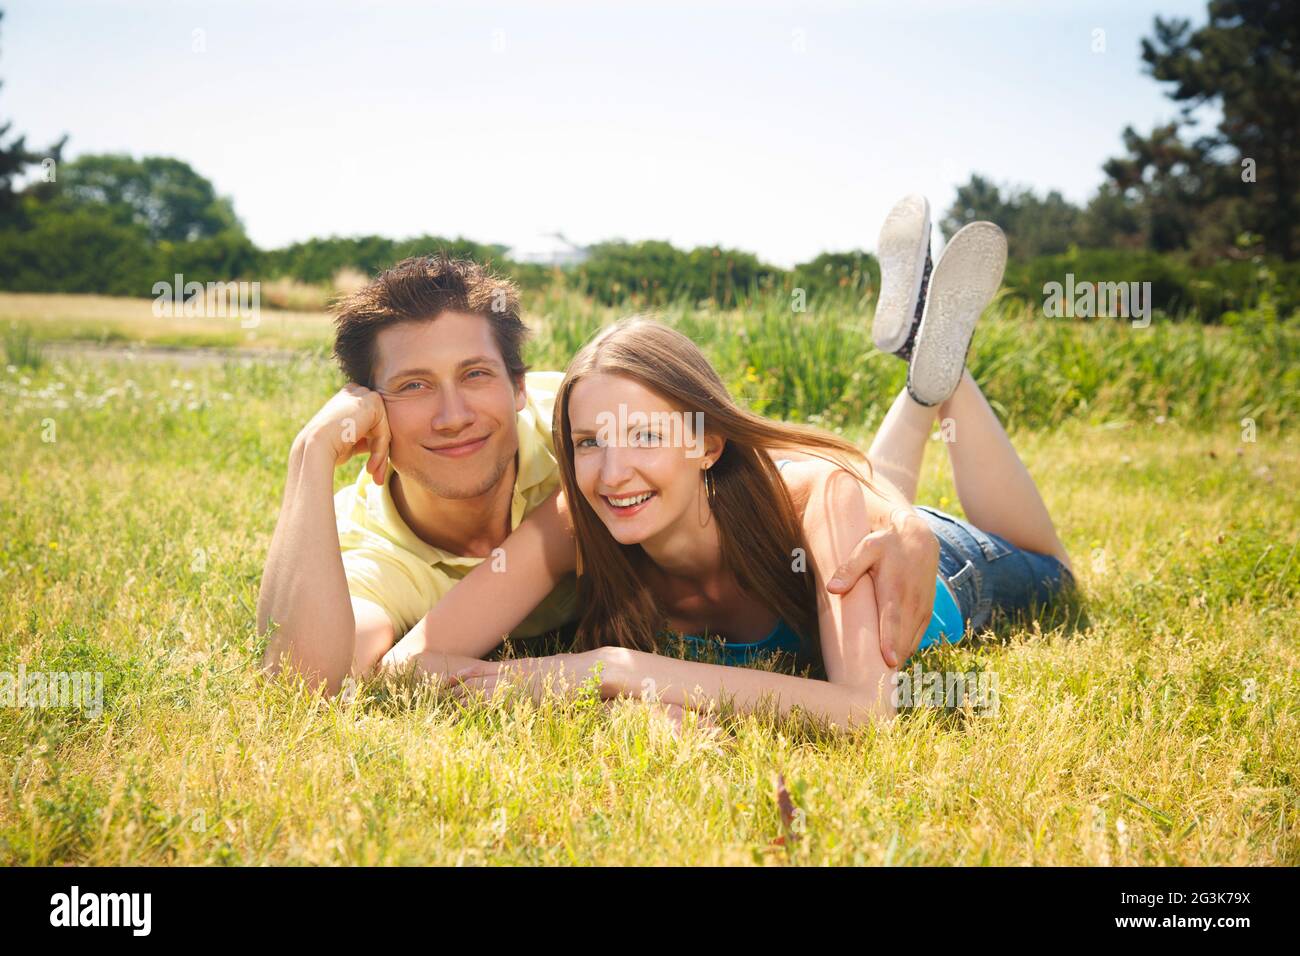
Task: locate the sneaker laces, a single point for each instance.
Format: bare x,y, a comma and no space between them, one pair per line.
905,351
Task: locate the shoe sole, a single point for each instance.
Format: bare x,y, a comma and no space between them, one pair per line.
963,282
904,241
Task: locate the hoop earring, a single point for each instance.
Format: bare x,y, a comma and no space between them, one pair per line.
703,514
709,485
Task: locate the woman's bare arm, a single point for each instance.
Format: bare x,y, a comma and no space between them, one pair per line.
839,510
898,550
475,615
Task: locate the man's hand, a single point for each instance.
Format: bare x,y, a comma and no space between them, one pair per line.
903,559
353,422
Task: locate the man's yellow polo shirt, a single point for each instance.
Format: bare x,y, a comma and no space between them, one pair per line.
388,563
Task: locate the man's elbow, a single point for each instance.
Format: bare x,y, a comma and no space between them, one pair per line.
283,657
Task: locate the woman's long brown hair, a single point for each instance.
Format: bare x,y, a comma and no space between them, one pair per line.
758,527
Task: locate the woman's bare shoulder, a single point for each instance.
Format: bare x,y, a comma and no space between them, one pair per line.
553,512
804,476
562,511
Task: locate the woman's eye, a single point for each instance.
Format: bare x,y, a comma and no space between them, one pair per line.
410,386
582,443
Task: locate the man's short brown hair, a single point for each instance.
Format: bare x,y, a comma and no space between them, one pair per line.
420,289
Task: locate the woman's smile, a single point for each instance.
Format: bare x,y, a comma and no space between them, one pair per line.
624,506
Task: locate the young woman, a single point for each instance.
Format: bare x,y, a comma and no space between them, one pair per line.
713,539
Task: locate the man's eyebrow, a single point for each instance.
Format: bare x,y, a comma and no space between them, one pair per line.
464,363
409,371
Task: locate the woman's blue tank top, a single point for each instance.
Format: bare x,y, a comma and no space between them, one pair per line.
946,624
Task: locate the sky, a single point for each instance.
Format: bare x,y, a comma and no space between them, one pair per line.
779,128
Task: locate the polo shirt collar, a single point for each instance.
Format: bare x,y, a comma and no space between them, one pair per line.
534,462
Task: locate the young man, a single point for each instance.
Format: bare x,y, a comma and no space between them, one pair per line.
458,436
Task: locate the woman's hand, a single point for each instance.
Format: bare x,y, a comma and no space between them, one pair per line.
565,673
620,684
428,663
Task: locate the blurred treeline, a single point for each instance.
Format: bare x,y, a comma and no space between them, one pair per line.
1210,220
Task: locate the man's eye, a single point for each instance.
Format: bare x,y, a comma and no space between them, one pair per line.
477,371
408,387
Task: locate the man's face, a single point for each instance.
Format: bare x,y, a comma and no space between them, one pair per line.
450,403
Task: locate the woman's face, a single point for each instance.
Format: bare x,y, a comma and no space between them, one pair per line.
638,459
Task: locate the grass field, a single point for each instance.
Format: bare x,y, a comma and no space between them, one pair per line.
140,497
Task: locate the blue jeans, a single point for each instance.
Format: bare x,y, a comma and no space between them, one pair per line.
987,572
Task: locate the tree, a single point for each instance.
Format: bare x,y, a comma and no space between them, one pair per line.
979,199
1169,181
15,157
1034,226
165,196
1111,220
1245,60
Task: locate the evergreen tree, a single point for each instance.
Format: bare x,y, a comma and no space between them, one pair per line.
15,158
1246,61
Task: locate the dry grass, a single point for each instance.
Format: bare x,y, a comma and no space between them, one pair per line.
121,321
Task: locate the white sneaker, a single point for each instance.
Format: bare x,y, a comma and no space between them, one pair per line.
904,254
965,279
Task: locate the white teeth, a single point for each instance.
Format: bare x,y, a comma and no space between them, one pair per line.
628,502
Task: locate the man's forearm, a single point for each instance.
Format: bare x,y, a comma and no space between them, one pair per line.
304,588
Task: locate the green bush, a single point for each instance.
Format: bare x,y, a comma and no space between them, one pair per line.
317,260
230,255
655,273
81,251
853,274
1177,287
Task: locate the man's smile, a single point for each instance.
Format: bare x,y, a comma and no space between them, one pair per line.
459,449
